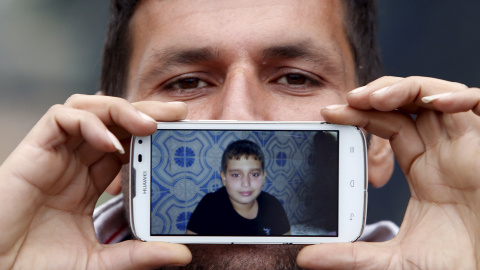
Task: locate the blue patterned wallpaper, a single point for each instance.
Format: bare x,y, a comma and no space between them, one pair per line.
186,166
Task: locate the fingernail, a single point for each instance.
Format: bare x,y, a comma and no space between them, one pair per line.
358,90
431,98
380,91
146,117
116,142
335,107
184,104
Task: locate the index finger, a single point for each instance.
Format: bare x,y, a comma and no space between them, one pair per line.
114,111
394,126
387,94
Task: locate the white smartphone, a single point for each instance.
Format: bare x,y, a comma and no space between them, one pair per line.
249,182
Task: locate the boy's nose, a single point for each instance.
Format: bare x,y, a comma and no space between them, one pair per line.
246,181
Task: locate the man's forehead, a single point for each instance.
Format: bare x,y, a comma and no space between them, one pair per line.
182,8
205,17
170,32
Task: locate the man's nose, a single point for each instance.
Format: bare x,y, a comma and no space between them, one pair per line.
242,96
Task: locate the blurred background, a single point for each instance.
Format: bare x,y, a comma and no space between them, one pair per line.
51,49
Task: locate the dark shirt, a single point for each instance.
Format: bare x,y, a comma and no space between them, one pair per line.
215,216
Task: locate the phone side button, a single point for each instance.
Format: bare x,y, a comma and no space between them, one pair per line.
133,183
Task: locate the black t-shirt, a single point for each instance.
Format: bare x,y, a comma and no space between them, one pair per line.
215,215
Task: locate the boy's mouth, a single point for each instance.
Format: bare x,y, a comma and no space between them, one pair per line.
246,193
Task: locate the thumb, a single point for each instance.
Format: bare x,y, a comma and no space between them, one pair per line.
358,255
136,254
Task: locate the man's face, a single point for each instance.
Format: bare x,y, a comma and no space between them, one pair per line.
243,179
244,60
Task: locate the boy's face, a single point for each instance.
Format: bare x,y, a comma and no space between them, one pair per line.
243,179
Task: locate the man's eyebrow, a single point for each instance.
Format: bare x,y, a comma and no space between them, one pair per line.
303,50
189,56
285,51
163,60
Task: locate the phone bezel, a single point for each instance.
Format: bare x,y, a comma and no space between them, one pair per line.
352,199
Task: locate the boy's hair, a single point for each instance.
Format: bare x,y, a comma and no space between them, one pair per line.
360,22
242,148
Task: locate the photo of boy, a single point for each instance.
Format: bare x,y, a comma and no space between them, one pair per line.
240,207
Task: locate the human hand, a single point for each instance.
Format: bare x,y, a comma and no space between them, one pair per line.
439,153
49,186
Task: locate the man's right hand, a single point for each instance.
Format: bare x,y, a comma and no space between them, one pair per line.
49,186
438,153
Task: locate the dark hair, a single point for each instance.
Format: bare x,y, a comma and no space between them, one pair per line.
359,23
117,48
242,148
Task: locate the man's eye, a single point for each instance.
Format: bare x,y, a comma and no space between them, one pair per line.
255,174
187,83
236,175
295,79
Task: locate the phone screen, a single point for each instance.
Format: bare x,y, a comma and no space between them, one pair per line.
240,182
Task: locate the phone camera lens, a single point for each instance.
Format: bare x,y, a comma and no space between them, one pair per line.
140,141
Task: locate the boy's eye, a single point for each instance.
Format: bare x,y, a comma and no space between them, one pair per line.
255,174
235,175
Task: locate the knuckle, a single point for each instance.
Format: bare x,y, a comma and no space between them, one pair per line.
414,78
93,102
461,85
416,82
120,101
73,99
55,109
389,77
72,113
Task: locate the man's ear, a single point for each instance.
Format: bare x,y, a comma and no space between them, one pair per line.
380,161
115,186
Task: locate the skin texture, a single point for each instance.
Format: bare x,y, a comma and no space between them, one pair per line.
244,180
50,183
246,60
239,77
53,178
436,152
243,57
